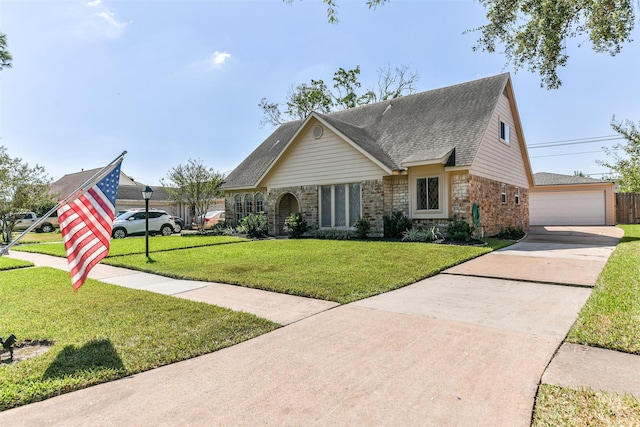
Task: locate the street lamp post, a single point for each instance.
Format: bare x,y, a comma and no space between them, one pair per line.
146,195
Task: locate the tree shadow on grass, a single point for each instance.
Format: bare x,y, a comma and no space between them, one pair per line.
94,355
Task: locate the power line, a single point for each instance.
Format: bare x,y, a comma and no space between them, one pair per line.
575,141
567,154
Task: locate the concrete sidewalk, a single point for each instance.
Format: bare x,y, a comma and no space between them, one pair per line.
453,349
280,308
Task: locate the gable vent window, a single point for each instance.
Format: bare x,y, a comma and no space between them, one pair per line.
317,132
505,132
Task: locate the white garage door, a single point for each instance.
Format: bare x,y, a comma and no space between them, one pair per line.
567,208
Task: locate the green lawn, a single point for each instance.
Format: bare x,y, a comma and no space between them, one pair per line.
103,332
10,263
562,406
341,271
610,319
136,245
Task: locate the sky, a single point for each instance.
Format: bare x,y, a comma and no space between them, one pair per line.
170,80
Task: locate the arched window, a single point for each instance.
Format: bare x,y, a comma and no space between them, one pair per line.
260,203
238,208
248,204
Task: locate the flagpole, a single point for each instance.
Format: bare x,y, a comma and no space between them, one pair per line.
70,198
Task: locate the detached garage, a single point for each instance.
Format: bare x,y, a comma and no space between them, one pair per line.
570,200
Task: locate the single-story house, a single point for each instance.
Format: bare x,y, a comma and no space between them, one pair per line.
129,194
571,200
431,155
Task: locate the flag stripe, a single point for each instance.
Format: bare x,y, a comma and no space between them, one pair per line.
86,225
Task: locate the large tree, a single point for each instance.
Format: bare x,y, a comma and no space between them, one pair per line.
316,96
5,56
195,185
533,34
626,157
22,188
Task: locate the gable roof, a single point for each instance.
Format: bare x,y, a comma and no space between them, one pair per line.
415,129
546,178
128,189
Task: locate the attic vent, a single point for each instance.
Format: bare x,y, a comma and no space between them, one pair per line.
317,132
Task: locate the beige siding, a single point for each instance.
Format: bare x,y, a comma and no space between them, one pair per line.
495,159
327,160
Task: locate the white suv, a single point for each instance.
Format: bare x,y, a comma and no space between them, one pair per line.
133,222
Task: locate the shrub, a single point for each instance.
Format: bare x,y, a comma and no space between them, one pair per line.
395,224
419,235
222,229
363,227
459,230
295,225
331,234
254,225
511,233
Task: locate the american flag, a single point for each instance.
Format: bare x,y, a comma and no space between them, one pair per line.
86,223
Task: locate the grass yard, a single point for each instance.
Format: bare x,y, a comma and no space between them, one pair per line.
10,263
561,406
136,245
340,271
611,317
103,333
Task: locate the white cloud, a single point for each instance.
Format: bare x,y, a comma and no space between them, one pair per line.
94,3
218,59
107,22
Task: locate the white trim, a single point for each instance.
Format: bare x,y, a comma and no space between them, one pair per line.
441,161
443,199
347,206
302,128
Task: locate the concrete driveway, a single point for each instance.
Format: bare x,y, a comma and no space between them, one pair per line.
454,349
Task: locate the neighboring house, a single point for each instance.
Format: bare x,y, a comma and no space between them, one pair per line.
431,155
571,200
129,193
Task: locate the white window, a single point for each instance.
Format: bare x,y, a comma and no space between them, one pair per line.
248,204
503,196
339,205
259,203
238,208
517,196
505,132
428,193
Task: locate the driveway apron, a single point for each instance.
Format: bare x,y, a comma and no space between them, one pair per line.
453,349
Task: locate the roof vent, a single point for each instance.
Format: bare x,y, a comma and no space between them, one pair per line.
317,132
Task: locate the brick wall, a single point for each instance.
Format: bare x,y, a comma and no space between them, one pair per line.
396,194
307,197
495,215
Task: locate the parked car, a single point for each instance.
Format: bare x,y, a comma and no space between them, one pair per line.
211,218
133,223
179,224
24,220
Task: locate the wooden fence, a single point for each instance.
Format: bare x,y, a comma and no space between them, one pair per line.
628,208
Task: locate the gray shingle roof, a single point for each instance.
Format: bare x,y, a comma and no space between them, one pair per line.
71,182
134,192
546,178
416,128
